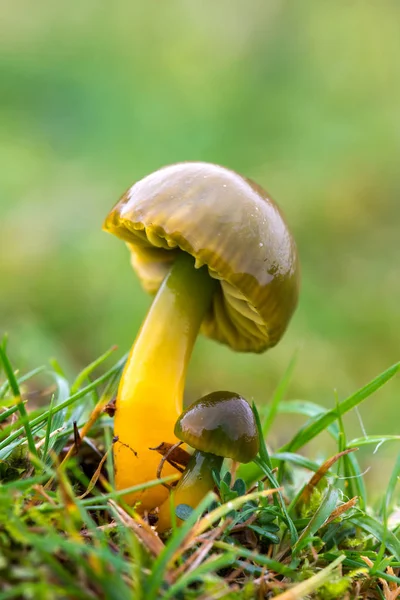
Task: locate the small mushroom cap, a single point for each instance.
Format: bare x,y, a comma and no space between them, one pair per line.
220,423
231,225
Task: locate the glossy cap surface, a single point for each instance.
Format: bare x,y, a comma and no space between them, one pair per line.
220,423
231,225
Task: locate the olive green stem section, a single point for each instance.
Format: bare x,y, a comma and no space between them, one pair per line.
196,481
150,393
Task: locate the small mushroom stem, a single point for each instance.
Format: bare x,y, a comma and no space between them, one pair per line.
196,481
150,393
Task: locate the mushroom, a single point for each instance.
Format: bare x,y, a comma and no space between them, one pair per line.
216,251
219,425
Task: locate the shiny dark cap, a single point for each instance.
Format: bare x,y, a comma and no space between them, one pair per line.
220,423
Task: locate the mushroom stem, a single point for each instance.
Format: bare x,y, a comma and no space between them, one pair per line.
150,393
194,484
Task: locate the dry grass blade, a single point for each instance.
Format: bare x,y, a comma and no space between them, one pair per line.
219,512
142,530
198,556
310,585
342,509
245,524
391,591
94,415
42,442
324,468
79,435
71,511
39,492
95,477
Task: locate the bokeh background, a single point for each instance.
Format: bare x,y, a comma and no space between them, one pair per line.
303,97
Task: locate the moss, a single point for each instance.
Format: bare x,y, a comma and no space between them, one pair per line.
309,509
334,590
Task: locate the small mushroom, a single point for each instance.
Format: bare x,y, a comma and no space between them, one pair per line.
219,425
216,251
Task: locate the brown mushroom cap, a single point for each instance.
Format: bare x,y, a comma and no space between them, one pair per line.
231,225
220,423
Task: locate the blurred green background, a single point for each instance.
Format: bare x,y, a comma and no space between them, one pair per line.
303,97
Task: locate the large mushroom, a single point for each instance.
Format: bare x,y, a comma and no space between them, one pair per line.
218,254
219,425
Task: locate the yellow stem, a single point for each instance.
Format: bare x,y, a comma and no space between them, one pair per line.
150,393
194,484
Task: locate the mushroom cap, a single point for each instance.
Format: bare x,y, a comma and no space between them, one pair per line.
229,224
220,423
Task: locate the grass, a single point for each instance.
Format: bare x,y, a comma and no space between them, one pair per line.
286,527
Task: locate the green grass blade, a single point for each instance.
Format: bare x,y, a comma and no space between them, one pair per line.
296,459
6,385
285,515
308,409
56,436
21,405
49,429
372,439
118,494
263,451
325,509
387,500
278,395
42,418
264,463
261,559
305,588
209,566
156,577
9,372
352,561
84,374
311,430
23,484
379,531
354,479
7,413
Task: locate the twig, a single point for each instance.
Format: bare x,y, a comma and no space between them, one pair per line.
162,461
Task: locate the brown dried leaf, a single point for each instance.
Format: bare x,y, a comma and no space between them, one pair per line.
322,471
341,509
173,453
143,531
110,408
